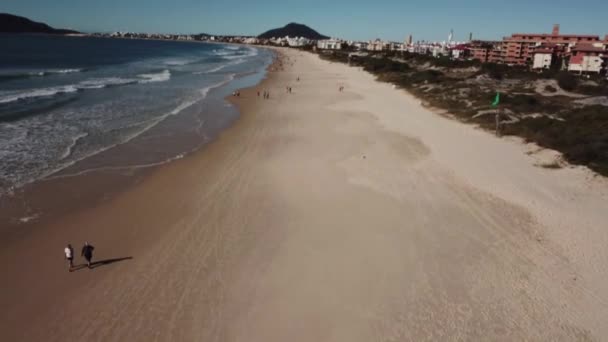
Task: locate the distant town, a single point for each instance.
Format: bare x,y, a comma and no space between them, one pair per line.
582,53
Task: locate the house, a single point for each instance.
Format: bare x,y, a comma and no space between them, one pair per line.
587,58
542,59
360,45
298,41
375,45
460,51
329,44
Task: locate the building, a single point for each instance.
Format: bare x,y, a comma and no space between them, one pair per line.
360,45
393,46
542,59
460,51
329,44
481,50
298,41
375,45
519,47
251,40
587,58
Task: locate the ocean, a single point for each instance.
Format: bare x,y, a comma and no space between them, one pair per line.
64,101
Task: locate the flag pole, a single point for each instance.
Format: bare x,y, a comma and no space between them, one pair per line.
496,104
497,116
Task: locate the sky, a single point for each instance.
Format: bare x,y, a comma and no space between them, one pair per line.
347,19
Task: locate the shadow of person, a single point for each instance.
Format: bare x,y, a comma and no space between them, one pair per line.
108,261
78,267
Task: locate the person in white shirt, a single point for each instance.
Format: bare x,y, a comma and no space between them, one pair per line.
69,255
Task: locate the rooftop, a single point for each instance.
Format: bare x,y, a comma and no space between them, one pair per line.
587,48
555,36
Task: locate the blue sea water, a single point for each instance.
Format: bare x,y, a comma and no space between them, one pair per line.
66,99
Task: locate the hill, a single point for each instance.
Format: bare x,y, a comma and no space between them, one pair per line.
15,24
293,30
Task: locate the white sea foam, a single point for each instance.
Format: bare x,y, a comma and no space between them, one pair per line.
61,71
178,61
220,67
12,96
222,52
98,83
145,126
68,149
39,72
250,53
162,76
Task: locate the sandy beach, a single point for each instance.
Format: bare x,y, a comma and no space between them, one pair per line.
322,215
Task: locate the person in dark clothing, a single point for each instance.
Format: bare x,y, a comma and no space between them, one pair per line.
87,253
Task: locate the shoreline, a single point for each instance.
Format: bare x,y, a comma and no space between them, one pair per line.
327,215
29,205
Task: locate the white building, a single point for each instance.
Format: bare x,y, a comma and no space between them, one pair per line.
329,44
587,58
251,40
375,45
542,59
360,45
297,41
587,64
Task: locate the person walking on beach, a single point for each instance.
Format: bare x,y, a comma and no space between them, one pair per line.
87,253
69,255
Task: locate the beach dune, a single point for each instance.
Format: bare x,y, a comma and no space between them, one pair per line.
323,215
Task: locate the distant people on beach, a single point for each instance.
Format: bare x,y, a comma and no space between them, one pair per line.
258,93
236,93
69,256
87,253
341,89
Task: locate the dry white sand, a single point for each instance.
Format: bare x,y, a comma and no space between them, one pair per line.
328,216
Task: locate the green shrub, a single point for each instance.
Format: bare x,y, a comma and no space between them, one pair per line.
426,76
494,70
382,65
582,137
567,81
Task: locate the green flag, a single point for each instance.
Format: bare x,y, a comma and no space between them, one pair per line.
496,100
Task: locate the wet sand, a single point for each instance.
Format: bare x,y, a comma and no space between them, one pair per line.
324,216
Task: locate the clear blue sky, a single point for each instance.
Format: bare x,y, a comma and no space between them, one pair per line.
349,19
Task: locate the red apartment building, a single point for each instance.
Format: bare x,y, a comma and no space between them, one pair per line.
519,48
481,50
